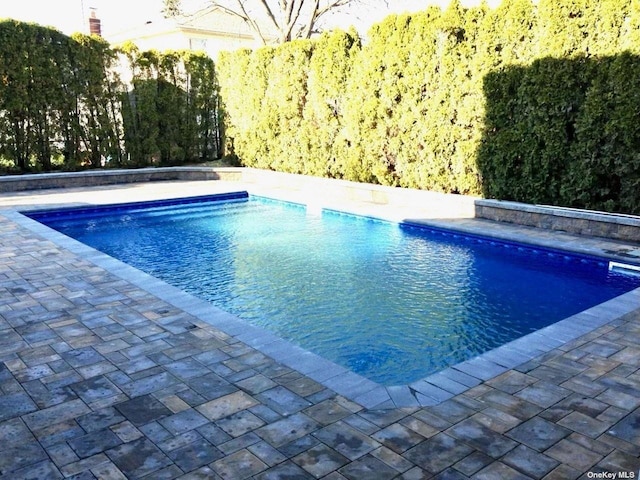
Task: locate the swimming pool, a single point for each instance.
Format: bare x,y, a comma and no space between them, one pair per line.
393,302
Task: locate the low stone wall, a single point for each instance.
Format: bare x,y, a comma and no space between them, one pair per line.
90,178
331,192
571,220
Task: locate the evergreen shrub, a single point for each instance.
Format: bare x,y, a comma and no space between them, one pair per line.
532,102
64,98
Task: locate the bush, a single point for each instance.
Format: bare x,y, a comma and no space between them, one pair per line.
61,98
524,102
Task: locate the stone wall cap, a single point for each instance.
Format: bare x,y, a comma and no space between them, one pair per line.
575,213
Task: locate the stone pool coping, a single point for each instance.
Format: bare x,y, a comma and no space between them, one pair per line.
571,220
429,391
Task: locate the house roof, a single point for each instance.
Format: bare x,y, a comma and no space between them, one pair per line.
218,19
213,20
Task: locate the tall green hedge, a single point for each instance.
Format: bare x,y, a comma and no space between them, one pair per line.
562,129
527,101
64,103
172,112
530,101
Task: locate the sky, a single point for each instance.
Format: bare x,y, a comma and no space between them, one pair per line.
116,15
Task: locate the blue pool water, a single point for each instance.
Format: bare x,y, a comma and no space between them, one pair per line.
392,302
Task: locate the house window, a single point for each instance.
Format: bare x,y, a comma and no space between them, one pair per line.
198,44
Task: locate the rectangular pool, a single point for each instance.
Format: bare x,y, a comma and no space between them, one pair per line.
393,302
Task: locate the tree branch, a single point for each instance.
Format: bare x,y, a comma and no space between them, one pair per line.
308,28
282,15
332,5
244,15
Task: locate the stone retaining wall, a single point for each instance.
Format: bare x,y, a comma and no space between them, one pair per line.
17,183
332,191
571,220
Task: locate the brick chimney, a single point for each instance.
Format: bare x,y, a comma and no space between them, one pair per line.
94,23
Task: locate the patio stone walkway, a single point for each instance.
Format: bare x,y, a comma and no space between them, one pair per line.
99,379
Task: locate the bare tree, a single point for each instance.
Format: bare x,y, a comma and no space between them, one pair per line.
288,19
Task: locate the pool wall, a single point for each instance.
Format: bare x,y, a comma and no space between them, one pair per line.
332,192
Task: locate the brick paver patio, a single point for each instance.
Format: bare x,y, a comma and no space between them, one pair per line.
101,379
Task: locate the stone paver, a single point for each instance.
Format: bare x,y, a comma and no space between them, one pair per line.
102,377
538,433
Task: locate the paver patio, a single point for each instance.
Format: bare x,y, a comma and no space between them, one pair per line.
101,379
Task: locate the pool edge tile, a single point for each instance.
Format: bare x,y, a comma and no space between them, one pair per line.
430,390
402,396
376,398
445,382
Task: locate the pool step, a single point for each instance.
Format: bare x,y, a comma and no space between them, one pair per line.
625,268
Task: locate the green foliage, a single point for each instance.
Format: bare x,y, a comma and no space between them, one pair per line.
374,93
201,135
562,128
31,97
243,83
565,132
531,112
62,98
529,101
322,142
91,116
605,169
283,106
283,103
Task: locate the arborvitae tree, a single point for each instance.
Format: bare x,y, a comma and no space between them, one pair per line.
373,94
201,132
233,69
461,100
248,140
509,34
284,102
139,107
418,162
17,94
171,114
532,101
44,91
630,36
605,169
96,107
171,105
360,103
565,27
559,129
61,98
56,96
549,99
320,140
608,26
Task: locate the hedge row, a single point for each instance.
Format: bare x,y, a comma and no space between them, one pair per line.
536,102
64,104
171,110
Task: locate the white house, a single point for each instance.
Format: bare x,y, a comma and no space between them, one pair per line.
212,29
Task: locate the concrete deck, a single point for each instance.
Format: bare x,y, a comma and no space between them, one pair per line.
108,373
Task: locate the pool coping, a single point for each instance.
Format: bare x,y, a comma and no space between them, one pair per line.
625,228
429,391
